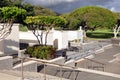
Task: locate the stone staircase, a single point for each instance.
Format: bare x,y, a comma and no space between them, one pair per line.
30,69
30,75
91,64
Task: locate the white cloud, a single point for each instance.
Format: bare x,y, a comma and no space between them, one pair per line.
113,9
69,0
48,2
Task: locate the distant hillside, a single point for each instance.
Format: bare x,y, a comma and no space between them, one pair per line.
38,10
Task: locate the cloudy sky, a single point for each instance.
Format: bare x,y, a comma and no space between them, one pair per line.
64,6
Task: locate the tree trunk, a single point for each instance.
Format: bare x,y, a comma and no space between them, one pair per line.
36,35
115,35
46,37
84,33
116,31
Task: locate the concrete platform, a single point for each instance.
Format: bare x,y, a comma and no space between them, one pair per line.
4,76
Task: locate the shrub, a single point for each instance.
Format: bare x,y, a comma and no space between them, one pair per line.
23,28
43,52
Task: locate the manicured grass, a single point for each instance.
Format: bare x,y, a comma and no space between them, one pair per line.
101,34
23,28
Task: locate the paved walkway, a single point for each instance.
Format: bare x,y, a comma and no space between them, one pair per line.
107,57
108,54
16,75
104,57
8,77
77,75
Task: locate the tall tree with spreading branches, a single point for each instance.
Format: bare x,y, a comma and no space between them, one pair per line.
91,17
44,23
8,15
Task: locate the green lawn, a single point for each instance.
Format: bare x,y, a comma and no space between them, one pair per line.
23,28
101,34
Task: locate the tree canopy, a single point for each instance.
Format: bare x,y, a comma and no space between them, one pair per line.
43,21
32,10
91,16
12,13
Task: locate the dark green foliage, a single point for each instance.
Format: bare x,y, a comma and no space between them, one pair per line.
41,11
31,10
4,3
43,52
100,35
23,28
93,16
46,21
12,13
117,14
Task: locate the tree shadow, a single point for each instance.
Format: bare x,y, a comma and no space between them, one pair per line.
11,47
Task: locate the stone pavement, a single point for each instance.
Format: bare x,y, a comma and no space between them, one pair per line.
4,76
104,57
16,75
107,57
78,74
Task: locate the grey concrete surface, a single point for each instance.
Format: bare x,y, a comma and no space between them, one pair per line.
27,66
104,57
6,62
107,57
4,76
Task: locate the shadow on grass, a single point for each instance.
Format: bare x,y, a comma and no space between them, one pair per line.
99,35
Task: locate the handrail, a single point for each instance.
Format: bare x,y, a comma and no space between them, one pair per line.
50,63
44,62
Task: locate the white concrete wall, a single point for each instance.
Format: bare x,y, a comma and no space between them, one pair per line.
1,47
27,66
50,38
72,35
6,63
26,37
62,37
10,45
58,36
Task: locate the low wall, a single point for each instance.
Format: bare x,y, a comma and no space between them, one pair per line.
108,46
59,60
27,66
6,63
115,41
70,63
10,45
99,51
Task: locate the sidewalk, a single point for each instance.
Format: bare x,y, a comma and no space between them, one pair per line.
8,77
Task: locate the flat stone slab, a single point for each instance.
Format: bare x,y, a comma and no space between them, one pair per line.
8,77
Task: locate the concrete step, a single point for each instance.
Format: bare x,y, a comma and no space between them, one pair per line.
28,75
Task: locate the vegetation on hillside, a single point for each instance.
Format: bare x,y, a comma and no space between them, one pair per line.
92,17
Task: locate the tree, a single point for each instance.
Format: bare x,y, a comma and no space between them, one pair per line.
38,11
44,23
92,17
117,14
116,29
4,3
9,15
